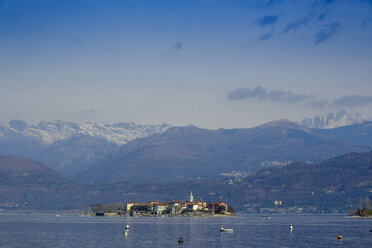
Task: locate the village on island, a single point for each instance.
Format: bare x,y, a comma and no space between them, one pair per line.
172,208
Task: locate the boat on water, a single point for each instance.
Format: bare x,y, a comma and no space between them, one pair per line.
265,217
226,229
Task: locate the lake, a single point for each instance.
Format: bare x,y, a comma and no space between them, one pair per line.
249,231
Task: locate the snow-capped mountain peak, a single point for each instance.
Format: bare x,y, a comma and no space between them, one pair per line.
49,132
333,120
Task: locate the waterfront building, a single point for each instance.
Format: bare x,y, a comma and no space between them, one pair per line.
130,204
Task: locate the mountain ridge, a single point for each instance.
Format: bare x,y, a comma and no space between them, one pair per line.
183,153
49,132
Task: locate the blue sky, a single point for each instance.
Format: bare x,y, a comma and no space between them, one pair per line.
211,63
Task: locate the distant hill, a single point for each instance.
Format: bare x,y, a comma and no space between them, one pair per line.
185,153
27,185
356,134
16,168
333,183
334,120
25,182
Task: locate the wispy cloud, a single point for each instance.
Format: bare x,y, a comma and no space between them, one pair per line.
321,16
266,3
321,3
266,36
292,26
178,46
326,32
174,47
266,20
352,101
260,93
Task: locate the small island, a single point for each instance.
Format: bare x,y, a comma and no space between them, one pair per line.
160,209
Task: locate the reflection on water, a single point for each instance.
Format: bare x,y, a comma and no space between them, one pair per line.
249,231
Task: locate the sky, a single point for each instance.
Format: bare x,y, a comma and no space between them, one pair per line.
211,63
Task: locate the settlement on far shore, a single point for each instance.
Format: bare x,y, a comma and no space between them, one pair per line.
172,208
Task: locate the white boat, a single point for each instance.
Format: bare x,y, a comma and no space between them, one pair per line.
226,229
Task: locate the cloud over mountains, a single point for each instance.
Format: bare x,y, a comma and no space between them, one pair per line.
265,95
262,94
353,101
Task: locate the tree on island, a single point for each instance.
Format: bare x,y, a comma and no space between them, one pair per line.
111,207
366,211
221,209
96,208
367,203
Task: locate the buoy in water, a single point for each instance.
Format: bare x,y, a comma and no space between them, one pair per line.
127,227
180,240
291,227
339,236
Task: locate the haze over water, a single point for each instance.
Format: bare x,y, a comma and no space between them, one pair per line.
249,231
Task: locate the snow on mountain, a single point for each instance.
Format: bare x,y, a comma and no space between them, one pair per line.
49,132
333,120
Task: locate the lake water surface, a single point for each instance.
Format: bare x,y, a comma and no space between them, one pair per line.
249,231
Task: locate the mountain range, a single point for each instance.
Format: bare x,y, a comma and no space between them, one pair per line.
102,152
